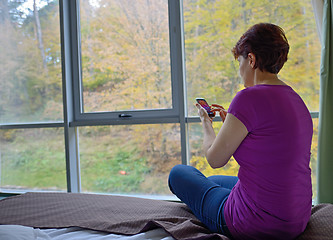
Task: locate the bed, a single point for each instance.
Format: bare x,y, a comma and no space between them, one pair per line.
60,216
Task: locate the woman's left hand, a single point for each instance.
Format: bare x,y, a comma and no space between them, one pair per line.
220,109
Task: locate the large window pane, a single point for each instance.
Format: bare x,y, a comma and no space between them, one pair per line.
212,28
30,62
133,159
32,159
125,55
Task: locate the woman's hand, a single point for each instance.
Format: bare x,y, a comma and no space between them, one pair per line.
220,109
203,113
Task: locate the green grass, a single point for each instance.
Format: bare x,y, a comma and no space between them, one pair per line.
40,164
32,162
123,172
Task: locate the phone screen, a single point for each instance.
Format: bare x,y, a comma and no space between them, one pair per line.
206,106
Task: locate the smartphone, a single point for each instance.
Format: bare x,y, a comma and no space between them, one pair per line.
206,106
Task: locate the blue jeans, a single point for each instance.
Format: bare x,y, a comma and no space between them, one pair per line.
204,196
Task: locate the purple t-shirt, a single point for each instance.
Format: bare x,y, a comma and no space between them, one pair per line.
273,197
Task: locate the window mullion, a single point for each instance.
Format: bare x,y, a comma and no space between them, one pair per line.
69,67
178,71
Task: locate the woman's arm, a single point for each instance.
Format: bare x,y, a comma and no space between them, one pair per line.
230,136
218,149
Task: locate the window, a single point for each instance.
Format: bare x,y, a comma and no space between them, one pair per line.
126,62
30,63
125,55
32,159
103,91
212,28
130,159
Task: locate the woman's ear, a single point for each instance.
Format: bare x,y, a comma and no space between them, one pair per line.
252,60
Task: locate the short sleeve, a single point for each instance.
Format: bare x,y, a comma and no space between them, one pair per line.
242,107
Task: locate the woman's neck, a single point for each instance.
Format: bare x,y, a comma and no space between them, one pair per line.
266,78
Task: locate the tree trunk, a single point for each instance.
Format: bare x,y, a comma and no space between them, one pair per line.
4,16
39,35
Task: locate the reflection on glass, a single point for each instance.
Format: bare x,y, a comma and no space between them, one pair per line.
199,161
212,28
132,159
30,62
32,159
125,55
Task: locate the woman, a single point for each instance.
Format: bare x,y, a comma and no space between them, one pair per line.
268,129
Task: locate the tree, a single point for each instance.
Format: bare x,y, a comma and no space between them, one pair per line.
212,28
128,55
39,35
31,70
126,65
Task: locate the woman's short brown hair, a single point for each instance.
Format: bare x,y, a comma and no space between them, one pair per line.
269,45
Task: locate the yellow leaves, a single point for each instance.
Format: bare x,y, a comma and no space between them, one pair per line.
231,169
134,43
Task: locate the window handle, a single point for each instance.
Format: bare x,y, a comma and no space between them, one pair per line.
125,115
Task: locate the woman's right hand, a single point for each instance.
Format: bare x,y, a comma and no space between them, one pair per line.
203,113
220,109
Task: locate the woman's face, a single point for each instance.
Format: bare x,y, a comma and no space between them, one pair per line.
246,71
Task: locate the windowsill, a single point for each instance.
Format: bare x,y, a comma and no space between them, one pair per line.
172,198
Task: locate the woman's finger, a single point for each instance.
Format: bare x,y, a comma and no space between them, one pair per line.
223,114
217,106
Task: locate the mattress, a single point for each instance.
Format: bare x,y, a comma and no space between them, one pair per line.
18,232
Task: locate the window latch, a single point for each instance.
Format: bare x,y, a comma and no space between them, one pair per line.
125,115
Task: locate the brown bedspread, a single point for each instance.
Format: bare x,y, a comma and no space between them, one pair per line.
128,215
114,214
320,226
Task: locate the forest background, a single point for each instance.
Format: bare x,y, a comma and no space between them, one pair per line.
126,65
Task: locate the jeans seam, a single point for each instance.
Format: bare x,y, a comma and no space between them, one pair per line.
204,216
202,199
